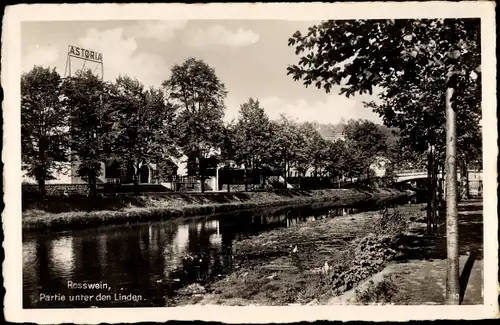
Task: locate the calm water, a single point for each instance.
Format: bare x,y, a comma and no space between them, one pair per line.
149,260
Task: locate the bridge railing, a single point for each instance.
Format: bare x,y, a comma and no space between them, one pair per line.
419,171
409,171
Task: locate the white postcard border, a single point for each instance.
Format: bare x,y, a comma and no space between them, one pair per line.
11,54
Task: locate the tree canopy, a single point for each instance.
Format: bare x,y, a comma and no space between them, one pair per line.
362,54
44,125
85,96
199,94
411,62
141,121
252,135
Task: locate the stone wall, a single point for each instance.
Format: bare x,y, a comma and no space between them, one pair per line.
57,189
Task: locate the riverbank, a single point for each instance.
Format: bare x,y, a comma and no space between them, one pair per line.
83,212
374,257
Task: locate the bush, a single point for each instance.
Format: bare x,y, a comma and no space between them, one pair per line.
370,254
390,223
378,293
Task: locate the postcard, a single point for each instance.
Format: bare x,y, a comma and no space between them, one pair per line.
250,162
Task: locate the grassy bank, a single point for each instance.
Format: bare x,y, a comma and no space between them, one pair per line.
80,212
331,257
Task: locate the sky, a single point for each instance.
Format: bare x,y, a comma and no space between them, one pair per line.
249,56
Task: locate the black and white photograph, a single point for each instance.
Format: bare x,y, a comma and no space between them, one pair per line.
171,159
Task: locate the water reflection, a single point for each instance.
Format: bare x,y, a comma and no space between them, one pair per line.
151,259
62,255
173,253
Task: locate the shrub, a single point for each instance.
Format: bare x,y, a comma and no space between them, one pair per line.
378,293
390,223
370,254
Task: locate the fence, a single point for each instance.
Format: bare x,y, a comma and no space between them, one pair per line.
254,178
310,182
409,171
183,183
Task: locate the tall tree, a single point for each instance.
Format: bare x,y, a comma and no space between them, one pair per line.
253,133
229,149
301,148
85,95
336,165
283,146
142,124
163,137
384,51
316,148
44,125
200,94
365,142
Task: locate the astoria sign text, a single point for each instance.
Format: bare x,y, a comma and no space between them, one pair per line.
84,54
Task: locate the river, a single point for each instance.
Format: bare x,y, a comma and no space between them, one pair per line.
145,264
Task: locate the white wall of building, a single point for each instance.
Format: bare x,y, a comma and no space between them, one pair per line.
380,165
62,177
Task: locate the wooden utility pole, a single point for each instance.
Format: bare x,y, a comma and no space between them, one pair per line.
452,272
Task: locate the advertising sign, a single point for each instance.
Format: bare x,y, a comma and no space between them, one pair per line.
84,54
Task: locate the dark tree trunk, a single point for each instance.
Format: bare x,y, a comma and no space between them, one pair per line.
157,177
202,180
41,171
430,189
93,184
245,177
136,179
463,180
41,188
201,168
252,164
286,171
434,199
467,183
440,193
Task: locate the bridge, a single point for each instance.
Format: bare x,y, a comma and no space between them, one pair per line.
401,176
411,174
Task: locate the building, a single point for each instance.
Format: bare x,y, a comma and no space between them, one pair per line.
336,136
380,166
113,173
